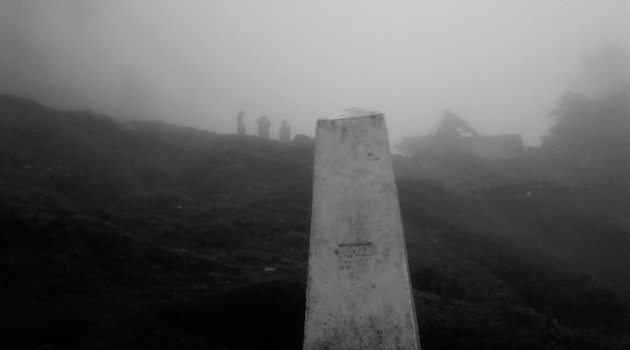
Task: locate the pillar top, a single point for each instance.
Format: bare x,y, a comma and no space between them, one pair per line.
351,113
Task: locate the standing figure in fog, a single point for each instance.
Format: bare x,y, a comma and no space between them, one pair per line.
240,124
285,132
263,127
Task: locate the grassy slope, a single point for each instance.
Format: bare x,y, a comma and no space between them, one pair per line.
146,235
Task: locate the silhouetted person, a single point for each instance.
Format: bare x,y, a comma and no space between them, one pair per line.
240,124
285,132
263,127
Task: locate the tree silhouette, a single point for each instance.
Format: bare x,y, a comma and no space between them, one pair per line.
591,135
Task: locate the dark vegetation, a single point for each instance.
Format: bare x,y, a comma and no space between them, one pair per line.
145,235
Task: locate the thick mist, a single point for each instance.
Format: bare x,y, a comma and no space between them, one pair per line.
502,66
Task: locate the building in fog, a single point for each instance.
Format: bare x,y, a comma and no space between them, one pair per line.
453,135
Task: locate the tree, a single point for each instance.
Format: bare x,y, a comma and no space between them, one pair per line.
591,135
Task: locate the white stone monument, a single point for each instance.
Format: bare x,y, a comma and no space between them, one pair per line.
358,295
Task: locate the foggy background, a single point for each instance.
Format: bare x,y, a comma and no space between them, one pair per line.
501,65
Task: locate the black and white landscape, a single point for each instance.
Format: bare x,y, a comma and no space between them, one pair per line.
133,215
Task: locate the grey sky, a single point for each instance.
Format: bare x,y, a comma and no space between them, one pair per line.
501,65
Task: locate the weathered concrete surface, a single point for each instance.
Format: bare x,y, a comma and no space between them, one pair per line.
359,295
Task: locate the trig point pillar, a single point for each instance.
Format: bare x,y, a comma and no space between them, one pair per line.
358,295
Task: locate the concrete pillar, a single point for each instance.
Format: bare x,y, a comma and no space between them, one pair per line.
358,295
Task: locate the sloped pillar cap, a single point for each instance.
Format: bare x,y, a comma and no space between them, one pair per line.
352,113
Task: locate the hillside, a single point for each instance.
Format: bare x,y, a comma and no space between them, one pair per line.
145,235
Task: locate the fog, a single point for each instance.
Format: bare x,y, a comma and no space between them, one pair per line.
501,65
